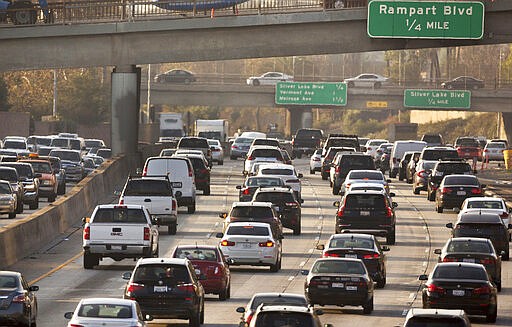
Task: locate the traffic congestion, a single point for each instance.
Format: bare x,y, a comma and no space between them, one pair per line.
396,233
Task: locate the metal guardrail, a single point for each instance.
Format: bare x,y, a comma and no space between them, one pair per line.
79,12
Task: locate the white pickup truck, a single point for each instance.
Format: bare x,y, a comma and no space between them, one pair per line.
156,194
119,232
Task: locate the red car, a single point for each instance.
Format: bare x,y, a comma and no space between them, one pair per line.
210,264
468,148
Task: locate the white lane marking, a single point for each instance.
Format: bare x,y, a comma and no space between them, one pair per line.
216,224
320,217
426,250
302,264
426,238
291,278
319,227
425,263
208,235
319,209
317,238
411,295
311,250
404,313
419,217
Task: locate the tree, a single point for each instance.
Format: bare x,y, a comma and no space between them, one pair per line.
4,104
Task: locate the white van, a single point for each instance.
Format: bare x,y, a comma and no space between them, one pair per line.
399,148
181,175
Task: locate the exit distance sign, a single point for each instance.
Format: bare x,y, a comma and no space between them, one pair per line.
440,99
426,19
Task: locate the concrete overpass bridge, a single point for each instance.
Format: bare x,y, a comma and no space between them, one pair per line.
126,43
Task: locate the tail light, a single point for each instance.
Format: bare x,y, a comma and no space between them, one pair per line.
449,259
369,148
121,200
292,204
482,290
394,160
227,243
371,256
75,325
249,318
234,147
446,190
133,287
146,233
19,298
486,150
190,172
389,212
487,261
216,150
145,171
476,191
203,171
504,215
87,233
328,254
435,289
186,288
267,244
341,211
337,169
174,204
246,192
316,159
250,158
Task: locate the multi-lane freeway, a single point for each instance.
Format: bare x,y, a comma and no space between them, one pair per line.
58,270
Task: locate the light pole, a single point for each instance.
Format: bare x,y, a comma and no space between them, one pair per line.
54,109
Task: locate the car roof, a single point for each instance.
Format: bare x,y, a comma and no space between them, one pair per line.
249,223
290,308
196,246
106,300
469,239
115,206
434,313
276,165
460,264
479,217
150,261
379,192
484,198
9,273
251,204
350,235
278,294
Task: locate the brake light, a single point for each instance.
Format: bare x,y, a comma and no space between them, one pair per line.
234,147
389,212
190,171
250,158
146,233
292,204
133,287
340,212
449,259
328,254
267,244
476,191
186,288
435,289
486,150
487,261
446,190
337,169
145,171
174,204
75,325
87,233
371,256
316,159
369,148
421,174
482,290
19,298
504,215
121,200
394,160
227,243
248,319
246,192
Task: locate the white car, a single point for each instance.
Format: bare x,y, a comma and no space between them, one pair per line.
254,244
487,204
8,199
286,172
361,186
269,78
315,162
493,151
107,312
217,151
372,145
262,153
364,176
366,80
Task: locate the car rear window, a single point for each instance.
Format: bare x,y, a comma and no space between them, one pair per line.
435,322
41,167
454,167
343,142
24,171
469,246
66,155
251,211
243,140
248,230
375,201
257,181
4,188
496,145
439,154
120,215
277,171
282,299
8,282
361,243
309,134
366,175
193,143
196,254
274,197
338,266
267,153
284,318
266,142
146,187
161,273
460,180
485,204
357,162
103,310
460,272
468,142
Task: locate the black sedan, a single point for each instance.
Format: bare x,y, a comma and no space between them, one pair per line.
485,225
19,303
454,189
463,82
176,76
473,250
251,184
359,246
339,281
461,285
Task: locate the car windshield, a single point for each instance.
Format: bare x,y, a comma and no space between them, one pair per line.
469,246
439,154
459,272
41,167
248,230
257,181
196,254
460,180
251,211
284,318
486,204
351,242
274,197
147,187
120,215
338,267
277,171
5,188
66,155
13,144
105,310
280,299
366,175
435,322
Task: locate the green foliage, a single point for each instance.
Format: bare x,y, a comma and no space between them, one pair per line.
4,104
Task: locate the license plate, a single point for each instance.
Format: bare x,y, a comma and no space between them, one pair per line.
116,247
458,292
468,260
461,192
176,184
351,288
337,285
351,256
364,213
160,289
246,245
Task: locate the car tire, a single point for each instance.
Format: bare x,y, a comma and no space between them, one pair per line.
195,320
492,314
34,205
391,238
232,157
201,316
368,306
19,207
299,155
432,196
90,260
506,256
415,190
157,252
498,286
206,190
221,162
381,282
255,82
275,268
12,215
191,208
171,229
324,176
335,190
449,86
311,171
391,174
223,295
61,189
297,229
439,209
52,198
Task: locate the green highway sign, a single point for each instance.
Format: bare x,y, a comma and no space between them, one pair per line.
426,19
439,99
311,93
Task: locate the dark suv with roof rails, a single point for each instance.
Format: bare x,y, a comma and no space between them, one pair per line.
443,168
347,162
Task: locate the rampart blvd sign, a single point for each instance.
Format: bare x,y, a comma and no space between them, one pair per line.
440,99
426,19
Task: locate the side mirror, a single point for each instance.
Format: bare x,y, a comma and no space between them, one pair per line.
502,253
394,204
392,194
240,310
280,237
148,318
509,226
33,288
85,220
336,204
223,215
319,312
219,235
509,210
457,210
300,175
320,247
423,277
238,187
449,225
178,194
127,275
230,261
388,181
68,315
385,248
301,201
483,185
304,272
437,251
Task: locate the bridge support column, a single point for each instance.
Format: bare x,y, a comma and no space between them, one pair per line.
298,118
125,109
507,124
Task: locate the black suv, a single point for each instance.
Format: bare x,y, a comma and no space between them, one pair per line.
328,159
166,288
252,183
444,168
368,212
306,141
485,225
196,143
342,140
285,203
347,162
